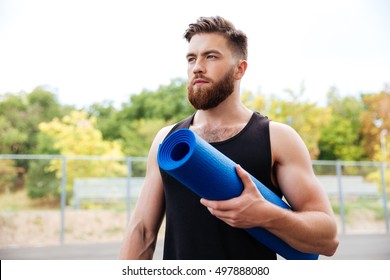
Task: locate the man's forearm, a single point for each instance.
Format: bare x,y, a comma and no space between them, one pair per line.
309,232
137,247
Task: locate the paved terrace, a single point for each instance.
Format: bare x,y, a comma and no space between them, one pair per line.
352,247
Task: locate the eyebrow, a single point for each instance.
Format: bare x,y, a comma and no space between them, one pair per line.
204,53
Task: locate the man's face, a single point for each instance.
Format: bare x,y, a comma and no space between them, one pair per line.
211,69
210,96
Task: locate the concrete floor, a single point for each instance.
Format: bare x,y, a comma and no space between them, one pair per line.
352,247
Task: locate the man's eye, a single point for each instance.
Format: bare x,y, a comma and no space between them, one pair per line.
190,59
211,56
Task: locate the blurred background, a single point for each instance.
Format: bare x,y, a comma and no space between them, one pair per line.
85,86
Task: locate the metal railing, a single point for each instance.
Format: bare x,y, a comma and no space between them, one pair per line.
350,185
380,170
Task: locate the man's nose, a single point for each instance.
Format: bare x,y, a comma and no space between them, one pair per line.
199,67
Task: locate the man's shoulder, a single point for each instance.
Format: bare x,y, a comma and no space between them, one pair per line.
166,130
284,139
278,127
184,123
163,132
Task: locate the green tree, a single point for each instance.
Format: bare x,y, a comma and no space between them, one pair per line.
139,135
137,122
11,138
8,176
76,134
106,119
256,102
341,138
41,179
305,117
375,119
14,124
20,114
168,103
375,130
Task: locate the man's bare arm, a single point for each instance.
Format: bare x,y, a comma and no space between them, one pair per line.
311,227
141,237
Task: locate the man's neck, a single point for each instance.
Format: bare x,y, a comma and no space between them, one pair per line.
224,114
220,123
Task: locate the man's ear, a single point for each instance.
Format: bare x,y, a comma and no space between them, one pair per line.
240,69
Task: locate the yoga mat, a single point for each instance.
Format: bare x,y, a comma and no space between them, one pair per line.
212,175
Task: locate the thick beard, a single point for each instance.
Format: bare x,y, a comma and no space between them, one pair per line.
208,98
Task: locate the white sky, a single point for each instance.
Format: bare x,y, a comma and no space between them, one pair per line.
95,50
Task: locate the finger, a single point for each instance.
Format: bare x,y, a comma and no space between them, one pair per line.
249,185
220,214
221,205
205,202
225,216
210,204
244,176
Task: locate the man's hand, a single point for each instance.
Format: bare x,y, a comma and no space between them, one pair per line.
245,211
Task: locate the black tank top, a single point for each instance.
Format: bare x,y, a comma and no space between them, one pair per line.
191,231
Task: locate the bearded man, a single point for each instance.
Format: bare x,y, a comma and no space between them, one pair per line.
272,152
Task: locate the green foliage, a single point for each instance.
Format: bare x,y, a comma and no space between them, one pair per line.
20,115
375,119
168,103
41,182
376,177
347,128
76,134
339,141
14,124
256,102
11,138
305,117
107,119
138,121
8,176
340,138
360,205
138,135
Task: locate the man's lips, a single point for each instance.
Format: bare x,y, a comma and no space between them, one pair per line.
199,82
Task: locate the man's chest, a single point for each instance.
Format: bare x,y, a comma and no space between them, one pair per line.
219,134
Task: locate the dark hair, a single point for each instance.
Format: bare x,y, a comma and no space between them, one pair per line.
236,38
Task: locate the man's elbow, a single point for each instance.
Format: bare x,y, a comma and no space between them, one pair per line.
331,247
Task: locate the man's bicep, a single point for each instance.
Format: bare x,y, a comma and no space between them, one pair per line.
150,207
150,204
301,188
294,173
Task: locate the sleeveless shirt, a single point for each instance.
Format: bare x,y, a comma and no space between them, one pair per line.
191,231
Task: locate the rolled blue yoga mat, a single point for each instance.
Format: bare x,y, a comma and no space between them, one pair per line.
212,175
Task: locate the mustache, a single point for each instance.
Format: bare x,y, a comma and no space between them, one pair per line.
200,76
